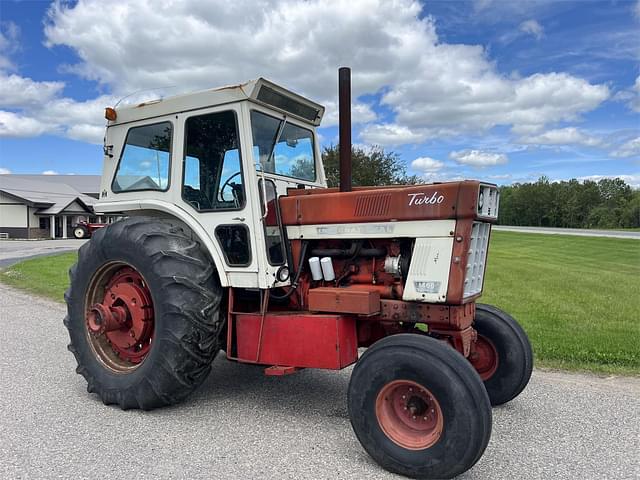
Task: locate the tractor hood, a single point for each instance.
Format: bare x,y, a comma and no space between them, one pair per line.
438,201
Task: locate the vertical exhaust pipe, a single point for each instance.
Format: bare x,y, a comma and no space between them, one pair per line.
344,106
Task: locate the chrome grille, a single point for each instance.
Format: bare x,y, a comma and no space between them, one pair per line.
474,276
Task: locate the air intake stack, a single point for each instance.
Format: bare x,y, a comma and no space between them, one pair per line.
344,106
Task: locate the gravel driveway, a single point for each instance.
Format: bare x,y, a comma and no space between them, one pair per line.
241,424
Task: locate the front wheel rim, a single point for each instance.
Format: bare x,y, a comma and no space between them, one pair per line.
409,414
485,358
119,317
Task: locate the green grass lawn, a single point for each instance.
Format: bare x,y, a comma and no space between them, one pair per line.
578,298
45,276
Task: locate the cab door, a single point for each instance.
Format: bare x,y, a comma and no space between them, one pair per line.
286,156
216,169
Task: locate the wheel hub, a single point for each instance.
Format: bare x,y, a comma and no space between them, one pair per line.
125,316
409,414
484,357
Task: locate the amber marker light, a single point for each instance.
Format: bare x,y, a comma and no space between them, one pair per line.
110,114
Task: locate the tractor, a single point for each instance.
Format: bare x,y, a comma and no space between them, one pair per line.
232,241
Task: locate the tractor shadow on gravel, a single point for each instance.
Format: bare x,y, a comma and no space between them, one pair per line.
322,392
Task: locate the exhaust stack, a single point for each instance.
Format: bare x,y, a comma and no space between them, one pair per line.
344,116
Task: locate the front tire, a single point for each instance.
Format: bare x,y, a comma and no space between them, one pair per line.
143,313
419,408
503,358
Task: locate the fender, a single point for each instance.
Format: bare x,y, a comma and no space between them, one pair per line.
178,213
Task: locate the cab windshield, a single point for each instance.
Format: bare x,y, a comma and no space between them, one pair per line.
283,148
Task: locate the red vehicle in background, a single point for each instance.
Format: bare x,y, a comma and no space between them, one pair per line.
85,229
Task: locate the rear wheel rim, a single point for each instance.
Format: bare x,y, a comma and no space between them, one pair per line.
485,358
409,414
119,317
79,232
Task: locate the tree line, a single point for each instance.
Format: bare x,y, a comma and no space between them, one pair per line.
608,203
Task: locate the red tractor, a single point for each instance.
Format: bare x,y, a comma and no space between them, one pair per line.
233,242
85,229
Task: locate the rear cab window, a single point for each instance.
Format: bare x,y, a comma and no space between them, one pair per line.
145,160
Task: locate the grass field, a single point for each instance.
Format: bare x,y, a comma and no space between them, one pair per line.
578,298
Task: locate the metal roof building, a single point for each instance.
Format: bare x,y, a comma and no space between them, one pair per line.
38,206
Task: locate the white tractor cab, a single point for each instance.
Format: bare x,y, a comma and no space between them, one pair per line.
203,159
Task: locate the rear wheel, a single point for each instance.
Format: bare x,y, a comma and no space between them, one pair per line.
503,356
80,231
143,313
418,407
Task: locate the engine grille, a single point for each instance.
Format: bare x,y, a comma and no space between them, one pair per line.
474,277
488,201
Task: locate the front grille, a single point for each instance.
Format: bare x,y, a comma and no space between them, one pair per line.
477,257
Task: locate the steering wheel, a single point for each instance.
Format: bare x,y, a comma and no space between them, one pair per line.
226,184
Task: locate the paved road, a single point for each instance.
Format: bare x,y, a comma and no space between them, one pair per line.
572,231
241,424
12,251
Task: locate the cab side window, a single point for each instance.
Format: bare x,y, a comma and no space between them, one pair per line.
212,172
144,163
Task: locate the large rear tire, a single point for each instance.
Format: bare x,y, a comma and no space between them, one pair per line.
504,358
419,408
143,313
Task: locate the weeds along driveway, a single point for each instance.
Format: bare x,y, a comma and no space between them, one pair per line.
241,424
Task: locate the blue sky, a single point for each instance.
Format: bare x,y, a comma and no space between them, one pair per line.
492,89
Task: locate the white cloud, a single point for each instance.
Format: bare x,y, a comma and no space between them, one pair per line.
432,88
561,136
15,125
390,134
632,180
17,91
426,164
50,172
4,171
505,176
9,44
477,158
630,148
532,27
634,102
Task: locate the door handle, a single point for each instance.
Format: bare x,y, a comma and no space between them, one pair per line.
240,219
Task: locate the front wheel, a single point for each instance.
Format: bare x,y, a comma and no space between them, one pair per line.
418,407
503,356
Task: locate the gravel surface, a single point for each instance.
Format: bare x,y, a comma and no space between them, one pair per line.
241,424
581,232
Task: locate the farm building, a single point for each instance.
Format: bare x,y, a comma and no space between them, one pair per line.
46,206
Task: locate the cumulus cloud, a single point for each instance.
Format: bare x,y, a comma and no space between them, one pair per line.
630,148
4,171
426,164
50,172
17,91
15,125
390,134
9,44
430,87
561,136
478,158
532,27
632,180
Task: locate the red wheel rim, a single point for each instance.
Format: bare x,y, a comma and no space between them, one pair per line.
485,358
409,414
120,317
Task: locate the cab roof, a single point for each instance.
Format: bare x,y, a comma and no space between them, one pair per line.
260,91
